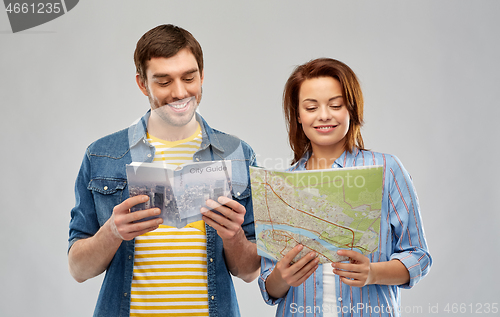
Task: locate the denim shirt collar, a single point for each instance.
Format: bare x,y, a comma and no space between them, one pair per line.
208,135
138,131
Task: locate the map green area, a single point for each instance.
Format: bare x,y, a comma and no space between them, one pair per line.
324,210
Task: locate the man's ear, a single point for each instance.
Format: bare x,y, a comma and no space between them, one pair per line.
142,85
202,76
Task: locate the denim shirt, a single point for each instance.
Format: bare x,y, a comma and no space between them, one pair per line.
102,184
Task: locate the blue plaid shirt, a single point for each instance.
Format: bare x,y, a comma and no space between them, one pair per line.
401,237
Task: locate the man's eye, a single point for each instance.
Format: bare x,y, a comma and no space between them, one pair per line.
164,83
189,79
311,108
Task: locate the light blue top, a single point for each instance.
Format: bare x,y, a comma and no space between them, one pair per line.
401,237
102,184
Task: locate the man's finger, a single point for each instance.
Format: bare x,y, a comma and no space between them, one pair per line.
219,222
128,231
128,203
213,215
223,215
145,225
141,214
232,204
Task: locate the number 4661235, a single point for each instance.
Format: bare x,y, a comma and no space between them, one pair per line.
33,8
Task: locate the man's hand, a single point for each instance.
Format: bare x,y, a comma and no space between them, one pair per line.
124,223
228,222
286,274
91,256
226,217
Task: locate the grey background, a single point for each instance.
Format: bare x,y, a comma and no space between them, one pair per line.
428,69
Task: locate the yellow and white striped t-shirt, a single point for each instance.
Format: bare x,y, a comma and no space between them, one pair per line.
177,152
170,266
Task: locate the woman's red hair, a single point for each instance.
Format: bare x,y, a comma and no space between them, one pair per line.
351,93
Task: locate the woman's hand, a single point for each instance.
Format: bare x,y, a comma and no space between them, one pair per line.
359,272
286,274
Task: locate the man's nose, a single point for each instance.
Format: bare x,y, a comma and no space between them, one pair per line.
178,90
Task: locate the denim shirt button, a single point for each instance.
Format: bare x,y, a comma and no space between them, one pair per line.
211,260
213,297
105,187
130,257
125,294
149,155
340,299
197,159
238,194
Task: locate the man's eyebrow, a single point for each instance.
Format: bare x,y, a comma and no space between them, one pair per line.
191,71
164,75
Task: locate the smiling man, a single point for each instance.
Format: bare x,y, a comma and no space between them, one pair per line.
151,268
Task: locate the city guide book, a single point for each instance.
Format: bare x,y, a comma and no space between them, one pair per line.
324,210
179,191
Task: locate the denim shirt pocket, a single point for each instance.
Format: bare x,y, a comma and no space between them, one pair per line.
107,192
241,190
240,179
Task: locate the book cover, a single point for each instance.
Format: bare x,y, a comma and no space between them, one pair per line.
179,191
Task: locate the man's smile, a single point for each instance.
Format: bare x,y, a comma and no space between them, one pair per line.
181,105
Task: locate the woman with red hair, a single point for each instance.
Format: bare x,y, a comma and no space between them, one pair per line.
323,106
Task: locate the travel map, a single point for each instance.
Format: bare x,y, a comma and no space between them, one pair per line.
324,210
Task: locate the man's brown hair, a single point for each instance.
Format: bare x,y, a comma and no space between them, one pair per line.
165,41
